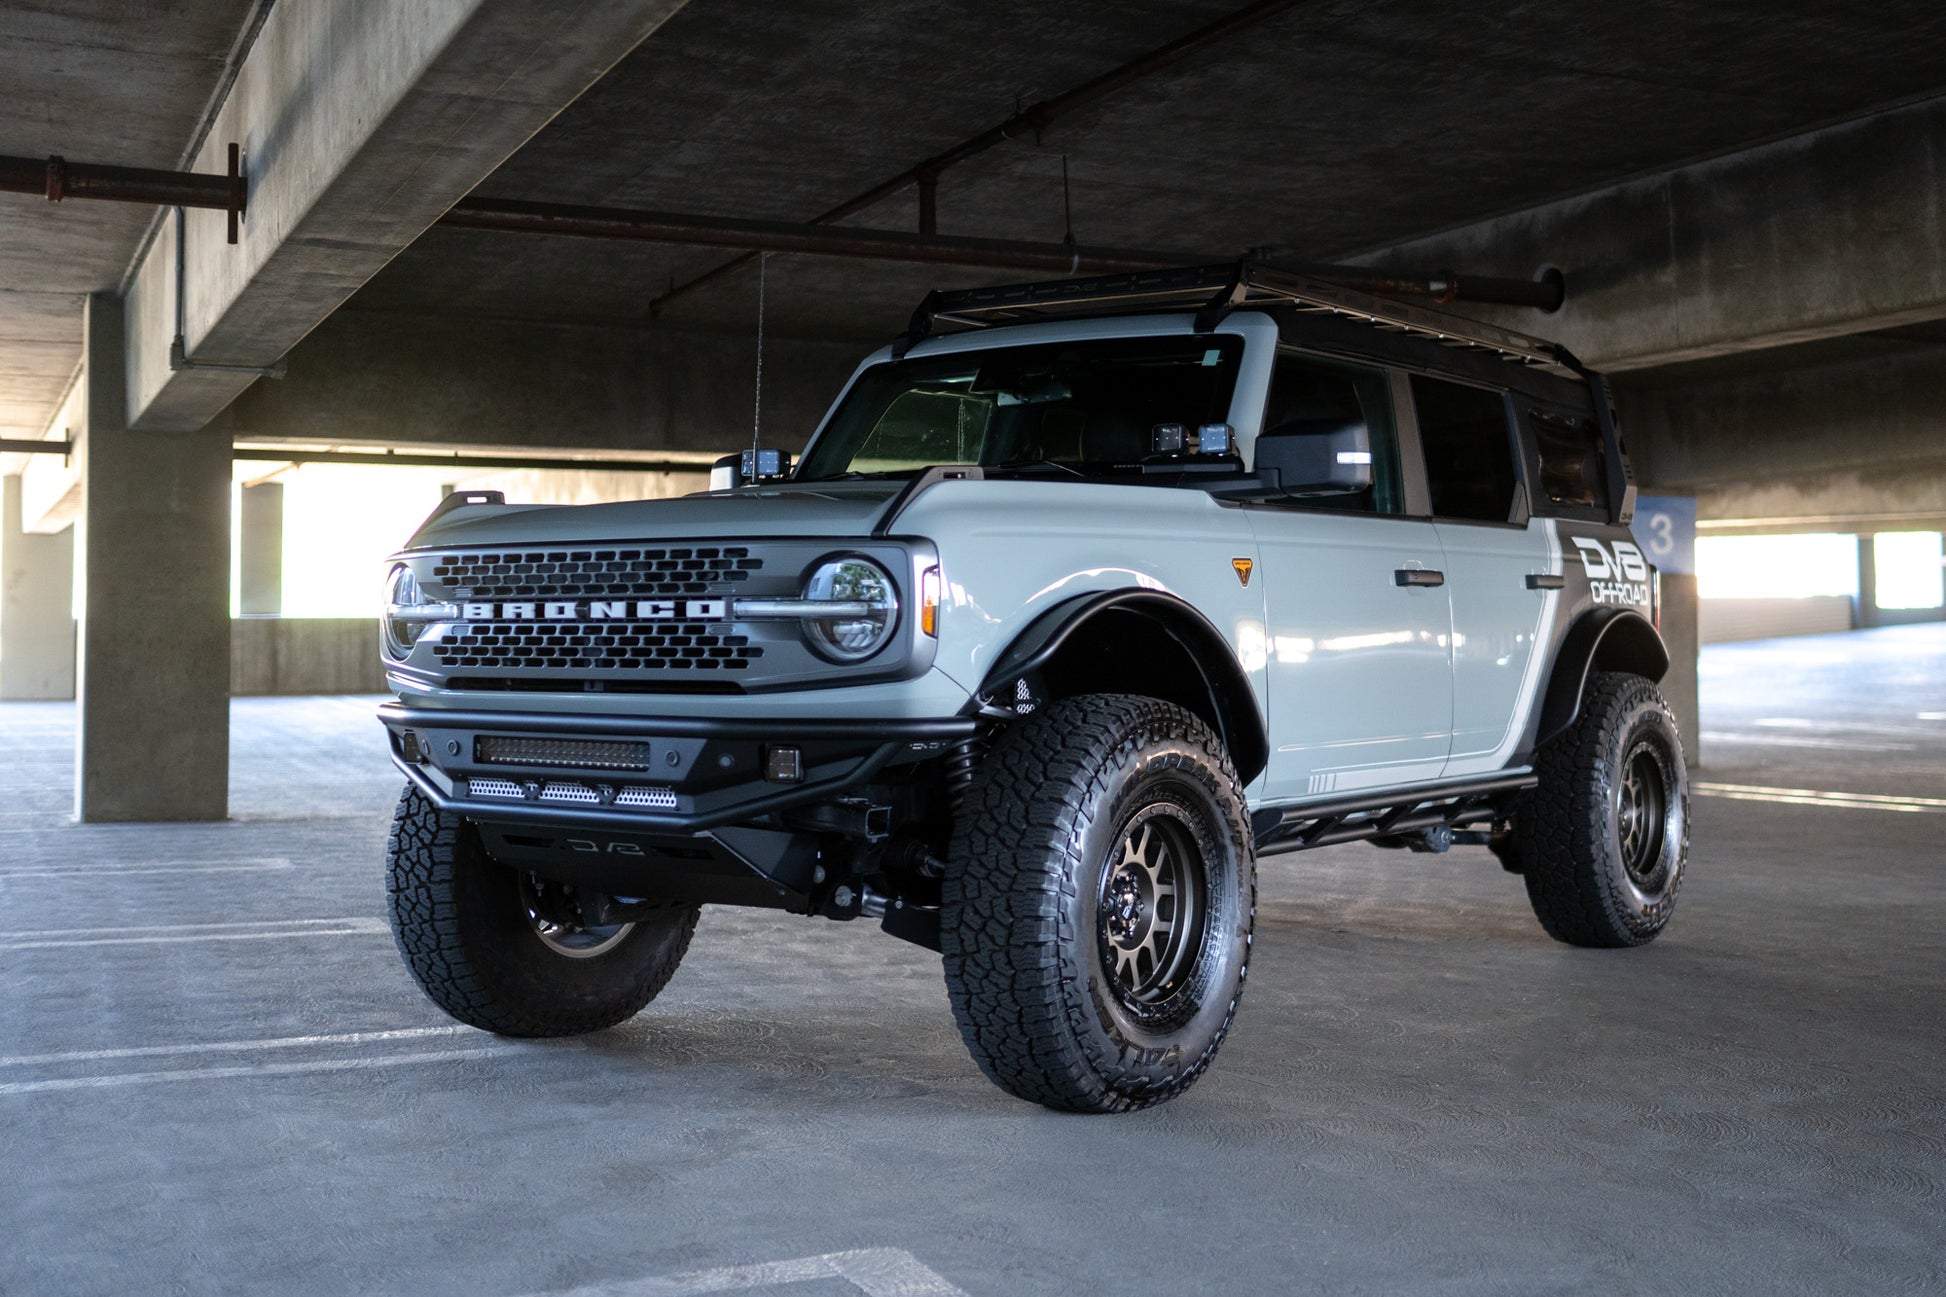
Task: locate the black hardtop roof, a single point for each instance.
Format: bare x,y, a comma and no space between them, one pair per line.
1214,291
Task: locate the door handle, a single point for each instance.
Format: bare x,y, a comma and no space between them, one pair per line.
1420,576
1546,581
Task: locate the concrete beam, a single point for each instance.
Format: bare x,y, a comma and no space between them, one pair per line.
1826,233
153,739
1853,442
413,380
362,124
36,606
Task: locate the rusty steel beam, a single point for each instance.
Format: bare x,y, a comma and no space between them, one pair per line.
1033,119
1061,259
512,217
56,179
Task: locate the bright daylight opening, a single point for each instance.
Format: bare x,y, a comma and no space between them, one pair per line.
340,523
1776,567
1911,569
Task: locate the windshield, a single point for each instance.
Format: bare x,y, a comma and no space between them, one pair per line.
1089,407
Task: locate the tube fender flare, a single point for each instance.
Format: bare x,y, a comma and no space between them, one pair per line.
1608,639
1231,699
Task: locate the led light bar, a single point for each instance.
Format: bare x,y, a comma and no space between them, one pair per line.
580,754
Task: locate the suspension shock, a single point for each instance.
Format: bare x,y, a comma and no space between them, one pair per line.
957,768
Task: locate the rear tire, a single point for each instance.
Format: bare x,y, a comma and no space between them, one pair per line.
1098,904
466,927
1604,839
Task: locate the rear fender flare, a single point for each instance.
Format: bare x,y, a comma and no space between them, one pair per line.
1607,639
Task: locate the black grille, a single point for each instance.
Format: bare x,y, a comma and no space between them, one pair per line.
635,573
605,645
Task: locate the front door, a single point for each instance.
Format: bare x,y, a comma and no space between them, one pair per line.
1359,622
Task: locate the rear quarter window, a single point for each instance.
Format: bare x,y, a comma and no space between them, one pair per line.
1574,470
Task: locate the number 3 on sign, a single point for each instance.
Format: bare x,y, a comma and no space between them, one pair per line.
1662,535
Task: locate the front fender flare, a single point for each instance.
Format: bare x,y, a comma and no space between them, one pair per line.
1231,701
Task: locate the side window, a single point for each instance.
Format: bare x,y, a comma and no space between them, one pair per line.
1469,452
1308,390
1573,469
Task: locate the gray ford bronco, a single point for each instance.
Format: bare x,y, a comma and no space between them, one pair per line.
1063,619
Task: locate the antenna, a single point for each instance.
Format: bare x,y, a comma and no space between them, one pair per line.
757,405
1067,202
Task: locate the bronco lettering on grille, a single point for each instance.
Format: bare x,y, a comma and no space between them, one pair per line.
598,610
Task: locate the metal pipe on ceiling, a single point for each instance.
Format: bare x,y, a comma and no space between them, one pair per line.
57,179
515,217
1034,119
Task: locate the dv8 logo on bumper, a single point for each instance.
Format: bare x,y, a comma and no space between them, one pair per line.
1617,572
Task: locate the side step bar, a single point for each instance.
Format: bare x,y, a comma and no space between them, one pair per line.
1360,817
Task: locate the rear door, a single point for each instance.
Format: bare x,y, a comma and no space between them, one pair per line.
1502,566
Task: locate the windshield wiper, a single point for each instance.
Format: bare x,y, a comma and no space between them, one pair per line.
1020,464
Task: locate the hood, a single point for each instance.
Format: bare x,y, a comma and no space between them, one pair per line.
827,509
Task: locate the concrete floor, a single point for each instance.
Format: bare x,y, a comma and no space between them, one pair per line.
218,1078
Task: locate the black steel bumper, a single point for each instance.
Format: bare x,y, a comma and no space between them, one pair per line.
687,774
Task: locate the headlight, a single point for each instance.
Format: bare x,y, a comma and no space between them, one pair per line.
871,608
408,612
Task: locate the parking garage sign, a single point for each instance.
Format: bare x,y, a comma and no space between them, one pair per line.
1665,528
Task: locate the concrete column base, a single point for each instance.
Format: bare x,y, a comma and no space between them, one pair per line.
153,739
1681,627
36,607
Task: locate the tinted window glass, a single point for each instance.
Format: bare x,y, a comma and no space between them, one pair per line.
1307,391
1469,455
1573,469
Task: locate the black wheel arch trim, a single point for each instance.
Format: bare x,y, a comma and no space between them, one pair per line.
1231,698
1609,639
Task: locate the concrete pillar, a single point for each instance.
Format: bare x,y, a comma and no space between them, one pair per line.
153,739
260,550
1681,631
36,606
1864,610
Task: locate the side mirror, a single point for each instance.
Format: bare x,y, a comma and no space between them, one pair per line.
748,467
1316,457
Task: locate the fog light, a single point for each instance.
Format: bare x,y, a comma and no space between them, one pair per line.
784,765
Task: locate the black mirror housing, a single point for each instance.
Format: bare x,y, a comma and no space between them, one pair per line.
1312,457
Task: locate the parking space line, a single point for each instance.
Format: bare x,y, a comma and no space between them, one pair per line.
270,863
115,1079
1813,797
268,930
876,1272
236,1046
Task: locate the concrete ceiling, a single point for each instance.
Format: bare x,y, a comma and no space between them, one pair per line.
118,82
1334,127
1337,126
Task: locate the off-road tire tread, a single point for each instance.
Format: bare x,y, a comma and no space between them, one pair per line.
1002,899
423,855
1563,823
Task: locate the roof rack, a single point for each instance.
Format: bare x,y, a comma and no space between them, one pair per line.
1214,291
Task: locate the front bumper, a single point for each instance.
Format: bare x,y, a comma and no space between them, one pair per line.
681,774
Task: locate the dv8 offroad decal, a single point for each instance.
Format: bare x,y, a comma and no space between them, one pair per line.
1617,572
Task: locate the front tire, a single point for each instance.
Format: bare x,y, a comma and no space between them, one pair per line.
1604,838
478,939
1098,903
